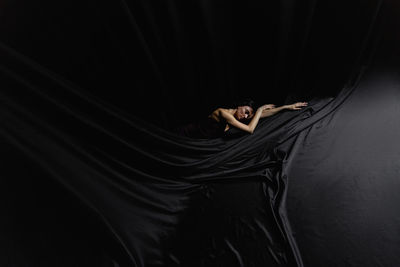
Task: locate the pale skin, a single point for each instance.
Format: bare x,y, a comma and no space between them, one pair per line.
233,117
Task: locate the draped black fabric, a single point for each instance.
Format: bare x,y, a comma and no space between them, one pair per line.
91,174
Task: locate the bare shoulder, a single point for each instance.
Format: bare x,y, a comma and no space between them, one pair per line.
226,115
218,114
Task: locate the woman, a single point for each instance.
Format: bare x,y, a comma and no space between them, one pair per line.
222,119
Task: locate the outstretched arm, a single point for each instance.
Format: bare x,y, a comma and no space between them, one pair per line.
231,120
273,111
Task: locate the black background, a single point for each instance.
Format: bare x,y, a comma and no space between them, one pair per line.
174,61
169,63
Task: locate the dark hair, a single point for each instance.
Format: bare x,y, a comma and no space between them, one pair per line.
247,102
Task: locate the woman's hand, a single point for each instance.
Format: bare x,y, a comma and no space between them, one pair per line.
296,106
266,107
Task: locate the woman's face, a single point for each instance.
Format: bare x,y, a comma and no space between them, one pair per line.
244,113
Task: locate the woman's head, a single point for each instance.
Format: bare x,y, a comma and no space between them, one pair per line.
245,109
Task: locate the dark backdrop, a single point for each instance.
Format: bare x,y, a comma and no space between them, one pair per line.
168,63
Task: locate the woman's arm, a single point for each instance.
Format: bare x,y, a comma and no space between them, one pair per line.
230,119
273,111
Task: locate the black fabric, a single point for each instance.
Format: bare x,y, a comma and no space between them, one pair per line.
92,175
206,128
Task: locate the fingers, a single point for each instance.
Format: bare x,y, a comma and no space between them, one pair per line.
298,105
302,103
